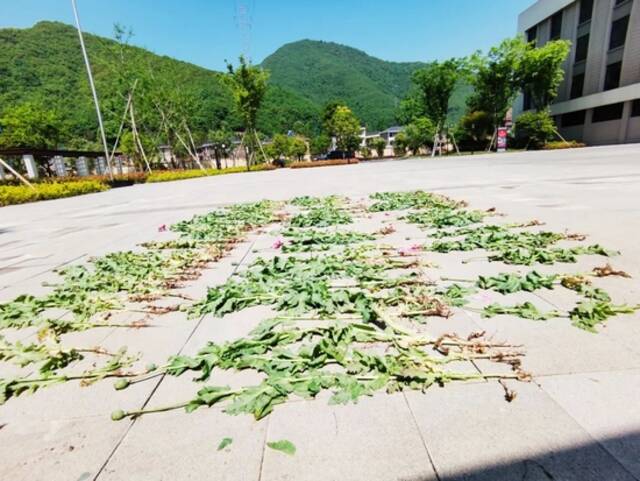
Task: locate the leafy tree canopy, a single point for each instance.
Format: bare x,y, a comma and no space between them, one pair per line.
541,71
248,84
346,128
434,86
30,125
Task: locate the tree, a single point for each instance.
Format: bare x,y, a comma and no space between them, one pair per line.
365,151
328,111
221,141
476,128
541,73
346,128
30,125
297,147
379,145
534,129
281,146
400,144
248,84
320,144
130,145
496,79
433,86
419,134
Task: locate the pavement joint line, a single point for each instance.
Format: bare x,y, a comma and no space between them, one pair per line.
157,385
264,448
586,432
424,441
50,269
587,373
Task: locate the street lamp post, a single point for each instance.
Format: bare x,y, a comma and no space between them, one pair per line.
93,88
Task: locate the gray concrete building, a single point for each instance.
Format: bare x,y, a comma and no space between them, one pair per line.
599,100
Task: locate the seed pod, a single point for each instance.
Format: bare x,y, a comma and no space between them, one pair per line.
118,415
121,384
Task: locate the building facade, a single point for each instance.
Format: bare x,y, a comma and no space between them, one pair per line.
599,100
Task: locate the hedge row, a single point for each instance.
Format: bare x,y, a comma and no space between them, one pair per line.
21,194
171,175
322,163
46,188
559,145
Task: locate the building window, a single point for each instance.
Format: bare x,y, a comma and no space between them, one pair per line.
577,86
582,48
620,2
573,119
586,11
619,32
556,26
635,108
532,34
612,76
527,101
608,112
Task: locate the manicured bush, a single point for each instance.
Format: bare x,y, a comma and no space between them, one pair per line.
559,145
20,194
534,129
322,163
118,180
171,175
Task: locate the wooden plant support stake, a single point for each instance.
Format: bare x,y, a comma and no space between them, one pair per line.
137,137
13,171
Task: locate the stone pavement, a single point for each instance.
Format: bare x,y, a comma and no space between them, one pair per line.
579,420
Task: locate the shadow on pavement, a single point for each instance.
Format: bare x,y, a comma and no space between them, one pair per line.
614,459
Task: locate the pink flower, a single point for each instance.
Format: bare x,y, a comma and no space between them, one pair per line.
162,228
277,244
410,251
484,298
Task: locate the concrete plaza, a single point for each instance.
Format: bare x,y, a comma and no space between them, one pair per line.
578,420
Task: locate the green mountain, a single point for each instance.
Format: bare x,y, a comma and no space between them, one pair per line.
44,64
325,71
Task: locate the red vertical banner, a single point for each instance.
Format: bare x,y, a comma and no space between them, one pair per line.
502,139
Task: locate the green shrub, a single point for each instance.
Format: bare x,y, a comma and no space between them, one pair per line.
534,129
365,152
559,145
21,194
171,175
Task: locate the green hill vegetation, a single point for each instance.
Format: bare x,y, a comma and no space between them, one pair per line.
43,64
372,88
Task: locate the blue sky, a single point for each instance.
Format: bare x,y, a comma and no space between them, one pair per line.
206,32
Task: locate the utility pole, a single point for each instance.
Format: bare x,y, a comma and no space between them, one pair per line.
93,88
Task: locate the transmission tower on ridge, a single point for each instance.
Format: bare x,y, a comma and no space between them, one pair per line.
244,22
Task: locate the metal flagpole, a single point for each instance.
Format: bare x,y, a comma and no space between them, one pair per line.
93,87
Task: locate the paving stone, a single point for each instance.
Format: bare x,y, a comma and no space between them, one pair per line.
374,440
62,450
472,434
181,446
603,404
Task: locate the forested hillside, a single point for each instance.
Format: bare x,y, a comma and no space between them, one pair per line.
325,71
44,64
